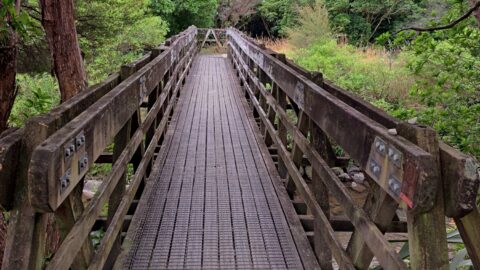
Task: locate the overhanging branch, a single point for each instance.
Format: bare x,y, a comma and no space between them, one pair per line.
444,27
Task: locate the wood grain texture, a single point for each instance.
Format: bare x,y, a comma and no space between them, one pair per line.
212,203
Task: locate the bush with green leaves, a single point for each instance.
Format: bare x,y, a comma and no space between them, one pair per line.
182,14
126,47
431,76
282,14
363,20
116,32
37,94
313,26
446,65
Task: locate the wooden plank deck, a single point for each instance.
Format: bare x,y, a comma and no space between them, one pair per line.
211,202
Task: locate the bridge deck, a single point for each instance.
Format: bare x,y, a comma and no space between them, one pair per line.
211,202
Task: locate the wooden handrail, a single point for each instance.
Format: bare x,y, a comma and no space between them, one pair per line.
358,127
337,120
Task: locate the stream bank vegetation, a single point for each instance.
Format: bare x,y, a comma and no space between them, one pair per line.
429,76
422,75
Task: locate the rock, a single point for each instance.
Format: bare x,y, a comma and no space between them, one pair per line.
338,171
309,172
358,177
87,195
413,121
344,177
92,186
353,169
393,132
358,187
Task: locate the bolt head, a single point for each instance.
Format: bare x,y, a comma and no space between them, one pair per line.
67,152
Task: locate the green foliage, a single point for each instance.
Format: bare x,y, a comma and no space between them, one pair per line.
36,94
182,14
19,21
434,78
282,14
100,170
126,47
447,69
363,20
371,74
96,237
116,32
312,26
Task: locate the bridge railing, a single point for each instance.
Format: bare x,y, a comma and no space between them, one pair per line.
406,164
43,166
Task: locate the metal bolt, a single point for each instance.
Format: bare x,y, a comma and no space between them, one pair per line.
68,153
375,168
394,185
84,163
72,148
390,153
79,142
396,157
65,180
82,138
381,148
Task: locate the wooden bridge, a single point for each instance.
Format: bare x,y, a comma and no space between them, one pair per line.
225,162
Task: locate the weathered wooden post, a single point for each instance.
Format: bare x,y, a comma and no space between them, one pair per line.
427,231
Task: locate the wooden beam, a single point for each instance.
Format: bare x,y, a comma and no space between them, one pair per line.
469,229
10,150
427,233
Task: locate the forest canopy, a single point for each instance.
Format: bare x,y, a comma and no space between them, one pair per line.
428,75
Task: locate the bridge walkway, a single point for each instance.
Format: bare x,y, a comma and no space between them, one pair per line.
212,202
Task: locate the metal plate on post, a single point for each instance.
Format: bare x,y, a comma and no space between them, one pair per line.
75,164
385,166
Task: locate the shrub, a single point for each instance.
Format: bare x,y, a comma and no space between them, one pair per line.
37,94
312,26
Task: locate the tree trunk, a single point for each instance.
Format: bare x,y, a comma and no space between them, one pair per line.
8,70
476,13
59,24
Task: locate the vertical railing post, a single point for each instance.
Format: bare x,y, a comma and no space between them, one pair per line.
324,255
427,231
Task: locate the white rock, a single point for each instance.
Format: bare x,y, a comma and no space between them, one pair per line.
344,177
87,195
338,171
353,169
359,178
92,186
393,132
413,121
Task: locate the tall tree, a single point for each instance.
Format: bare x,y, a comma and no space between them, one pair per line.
58,20
8,60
